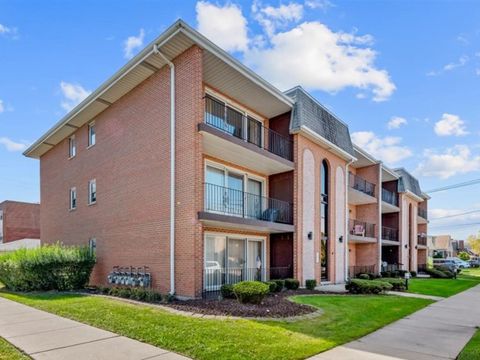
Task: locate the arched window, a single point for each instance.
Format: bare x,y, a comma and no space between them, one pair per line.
324,192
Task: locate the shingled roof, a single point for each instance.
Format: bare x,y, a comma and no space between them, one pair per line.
407,182
310,113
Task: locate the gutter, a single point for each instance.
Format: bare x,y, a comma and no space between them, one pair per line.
172,167
347,215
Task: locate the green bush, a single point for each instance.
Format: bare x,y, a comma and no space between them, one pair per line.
359,286
272,286
280,284
413,274
50,267
292,284
363,276
386,274
139,294
438,274
250,291
311,284
227,291
397,283
446,271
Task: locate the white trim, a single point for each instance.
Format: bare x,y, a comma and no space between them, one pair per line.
365,154
90,182
390,172
414,196
309,133
72,139
73,190
90,143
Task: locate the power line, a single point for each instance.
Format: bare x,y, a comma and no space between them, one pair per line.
456,225
455,215
454,186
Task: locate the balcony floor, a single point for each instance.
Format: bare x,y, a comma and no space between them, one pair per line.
390,242
421,220
354,239
240,223
356,197
388,208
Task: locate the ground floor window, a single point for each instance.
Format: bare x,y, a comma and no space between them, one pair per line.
233,258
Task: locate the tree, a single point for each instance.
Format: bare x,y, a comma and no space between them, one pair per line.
464,256
474,243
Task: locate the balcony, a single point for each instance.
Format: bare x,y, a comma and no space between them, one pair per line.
389,202
422,216
360,191
361,231
422,240
232,136
389,235
234,208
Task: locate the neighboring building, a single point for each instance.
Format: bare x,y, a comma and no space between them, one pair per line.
441,246
19,220
253,186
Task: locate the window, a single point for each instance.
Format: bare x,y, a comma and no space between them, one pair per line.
73,198
91,134
92,245
72,146
92,192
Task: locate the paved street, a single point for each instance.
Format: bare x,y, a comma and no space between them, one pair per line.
49,337
440,331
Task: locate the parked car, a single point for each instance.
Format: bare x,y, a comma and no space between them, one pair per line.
450,264
461,263
474,263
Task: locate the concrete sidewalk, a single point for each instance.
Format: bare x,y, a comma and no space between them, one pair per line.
45,336
439,331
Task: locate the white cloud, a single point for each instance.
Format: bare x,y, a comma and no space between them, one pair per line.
319,4
388,149
73,94
462,39
453,161
224,25
320,59
477,71
462,61
450,125
271,18
10,31
133,43
396,121
12,146
2,106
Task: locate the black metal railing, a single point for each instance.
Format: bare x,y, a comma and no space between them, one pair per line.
233,122
391,267
219,199
389,233
358,183
422,239
355,270
215,276
389,197
361,228
423,213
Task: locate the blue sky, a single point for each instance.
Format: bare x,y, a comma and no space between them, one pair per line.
414,65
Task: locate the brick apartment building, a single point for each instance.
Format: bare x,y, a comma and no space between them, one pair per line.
19,220
189,163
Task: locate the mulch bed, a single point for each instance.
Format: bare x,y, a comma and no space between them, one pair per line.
274,306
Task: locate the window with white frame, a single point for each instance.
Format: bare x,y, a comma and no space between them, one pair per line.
73,198
92,192
91,134
92,245
72,146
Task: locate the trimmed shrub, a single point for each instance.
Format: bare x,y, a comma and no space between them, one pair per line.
227,291
311,284
397,283
359,286
401,273
386,274
292,284
250,291
363,276
435,273
280,285
413,274
50,267
272,286
446,271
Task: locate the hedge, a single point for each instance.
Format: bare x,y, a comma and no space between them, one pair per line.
280,285
272,286
227,291
398,284
358,286
250,291
311,284
292,284
50,267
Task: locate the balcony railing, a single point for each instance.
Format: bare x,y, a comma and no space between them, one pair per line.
361,228
226,201
234,123
423,213
389,234
389,197
354,271
214,276
360,184
422,239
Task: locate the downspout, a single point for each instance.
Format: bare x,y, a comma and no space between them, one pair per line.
172,167
347,181
380,222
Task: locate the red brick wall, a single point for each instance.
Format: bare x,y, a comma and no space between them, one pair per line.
20,220
130,163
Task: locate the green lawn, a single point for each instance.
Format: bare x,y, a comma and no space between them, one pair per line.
345,318
445,287
9,352
472,349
